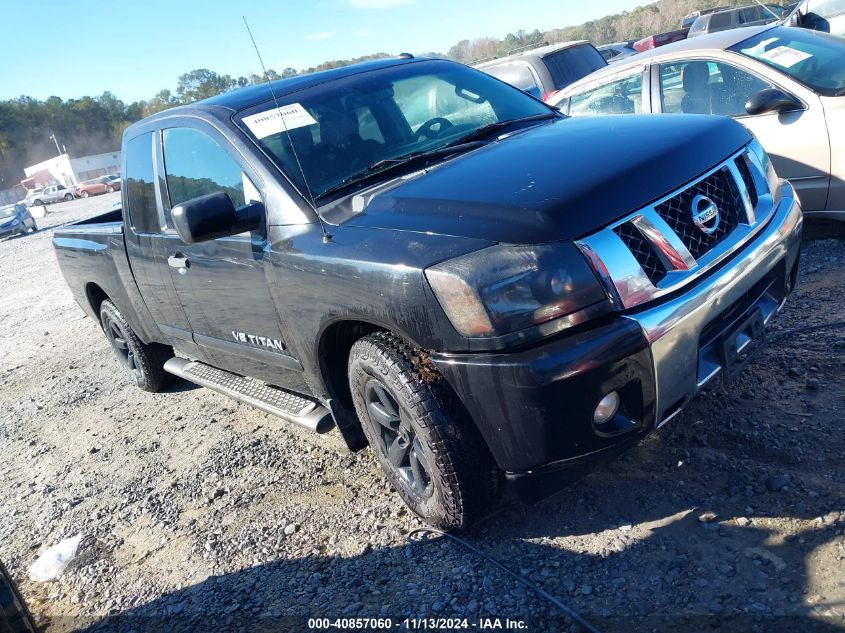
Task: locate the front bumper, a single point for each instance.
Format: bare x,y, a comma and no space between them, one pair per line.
11,229
534,407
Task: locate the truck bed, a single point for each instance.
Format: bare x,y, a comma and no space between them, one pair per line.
92,256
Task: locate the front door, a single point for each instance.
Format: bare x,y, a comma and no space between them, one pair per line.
797,142
222,284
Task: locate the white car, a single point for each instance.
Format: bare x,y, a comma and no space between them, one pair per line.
786,85
54,193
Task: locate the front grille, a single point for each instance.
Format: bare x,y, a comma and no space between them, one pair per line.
745,172
642,250
677,211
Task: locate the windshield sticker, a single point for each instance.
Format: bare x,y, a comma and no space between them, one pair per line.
273,121
785,56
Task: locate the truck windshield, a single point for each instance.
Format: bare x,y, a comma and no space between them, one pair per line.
809,57
341,128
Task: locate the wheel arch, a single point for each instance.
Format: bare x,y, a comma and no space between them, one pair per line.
95,297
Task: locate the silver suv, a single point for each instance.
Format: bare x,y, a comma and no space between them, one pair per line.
751,15
543,71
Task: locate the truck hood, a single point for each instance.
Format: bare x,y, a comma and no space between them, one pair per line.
555,181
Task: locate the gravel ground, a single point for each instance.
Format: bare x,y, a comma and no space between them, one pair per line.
198,512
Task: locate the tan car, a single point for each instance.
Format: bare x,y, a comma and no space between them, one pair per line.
786,85
96,186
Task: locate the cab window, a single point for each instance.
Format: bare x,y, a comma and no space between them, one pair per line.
196,165
140,191
622,96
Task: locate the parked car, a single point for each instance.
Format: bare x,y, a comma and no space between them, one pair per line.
542,71
661,39
54,193
96,186
15,219
819,15
395,248
726,19
615,52
688,20
785,85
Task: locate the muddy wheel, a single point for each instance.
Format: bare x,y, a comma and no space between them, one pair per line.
143,363
423,438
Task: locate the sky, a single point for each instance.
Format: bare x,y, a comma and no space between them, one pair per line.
133,49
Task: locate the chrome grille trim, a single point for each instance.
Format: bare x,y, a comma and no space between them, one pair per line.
621,271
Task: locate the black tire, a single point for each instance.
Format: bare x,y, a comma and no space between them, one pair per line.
109,189
37,203
68,197
84,194
430,450
14,616
143,363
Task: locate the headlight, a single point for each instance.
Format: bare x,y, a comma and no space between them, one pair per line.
502,289
768,169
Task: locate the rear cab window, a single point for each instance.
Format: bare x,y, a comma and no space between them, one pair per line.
571,64
140,190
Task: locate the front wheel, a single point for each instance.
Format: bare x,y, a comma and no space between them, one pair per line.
430,450
143,363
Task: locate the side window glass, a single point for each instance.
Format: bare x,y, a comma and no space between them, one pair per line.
140,191
623,96
517,75
749,14
706,87
719,21
196,165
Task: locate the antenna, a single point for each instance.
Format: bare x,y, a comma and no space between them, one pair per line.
327,237
775,15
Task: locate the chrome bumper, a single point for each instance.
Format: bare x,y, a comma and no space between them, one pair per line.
674,328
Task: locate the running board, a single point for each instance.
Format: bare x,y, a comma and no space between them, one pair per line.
284,404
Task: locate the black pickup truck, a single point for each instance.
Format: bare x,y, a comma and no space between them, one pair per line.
441,266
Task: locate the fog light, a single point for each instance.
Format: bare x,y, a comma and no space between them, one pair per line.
606,408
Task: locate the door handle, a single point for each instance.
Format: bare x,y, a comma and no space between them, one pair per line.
178,261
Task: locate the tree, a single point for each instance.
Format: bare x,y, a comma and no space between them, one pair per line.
202,84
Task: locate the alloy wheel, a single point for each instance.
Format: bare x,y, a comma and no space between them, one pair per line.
117,338
398,441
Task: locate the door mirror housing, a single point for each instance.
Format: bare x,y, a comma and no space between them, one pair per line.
214,215
772,100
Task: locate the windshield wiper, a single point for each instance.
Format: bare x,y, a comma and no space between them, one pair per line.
386,164
489,128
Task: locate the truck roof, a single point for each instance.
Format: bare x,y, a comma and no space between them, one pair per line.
251,95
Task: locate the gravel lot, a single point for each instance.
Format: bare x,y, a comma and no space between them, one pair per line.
200,513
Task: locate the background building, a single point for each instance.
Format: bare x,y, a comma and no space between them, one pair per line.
67,171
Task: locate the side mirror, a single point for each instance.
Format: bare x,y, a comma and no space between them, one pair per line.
772,100
212,216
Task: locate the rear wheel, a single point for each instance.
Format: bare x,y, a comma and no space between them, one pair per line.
143,363
14,616
109,189
84,194
68,197
423,438
37,202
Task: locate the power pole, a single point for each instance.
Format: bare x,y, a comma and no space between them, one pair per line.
53,136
